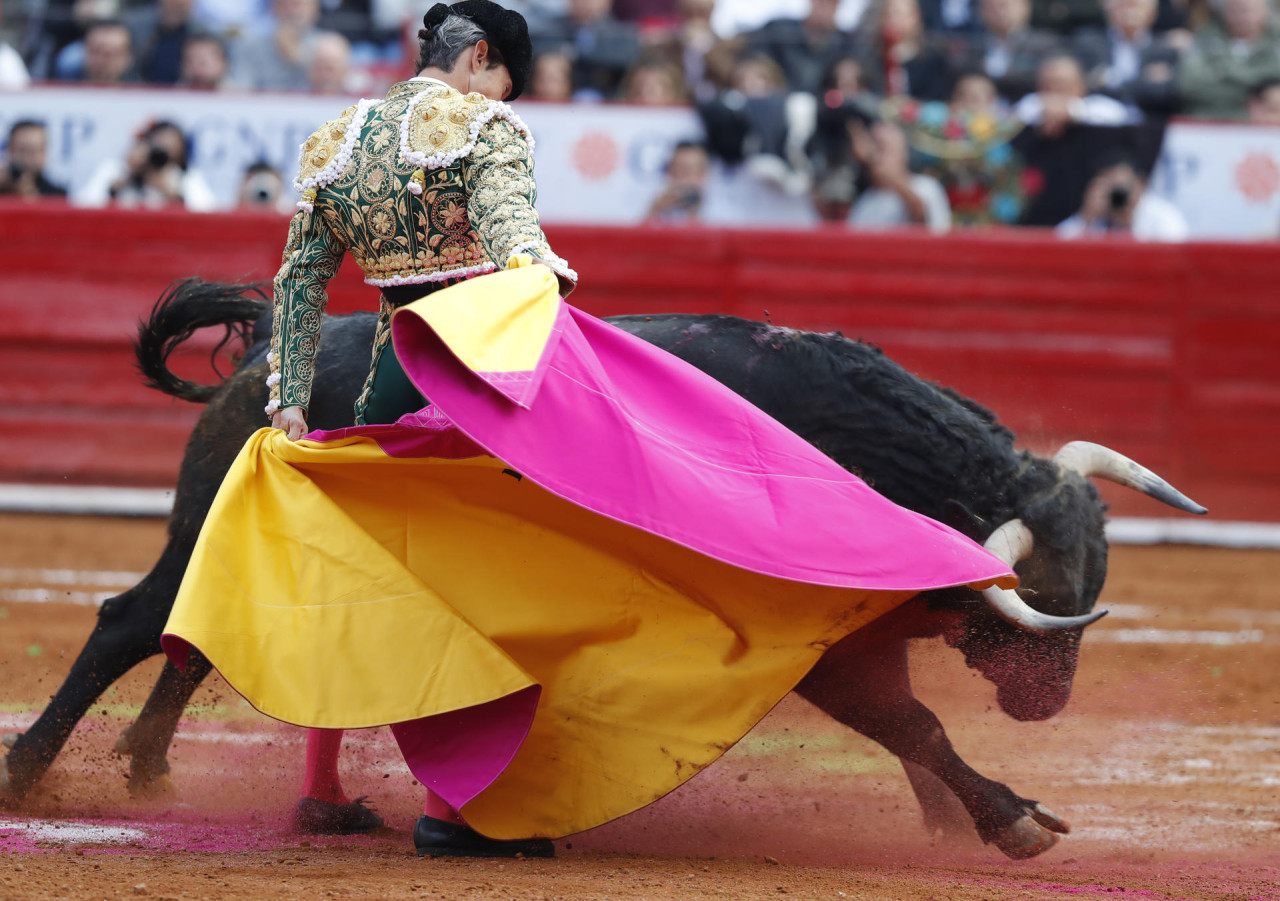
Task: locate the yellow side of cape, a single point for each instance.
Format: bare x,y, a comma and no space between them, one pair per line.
337,587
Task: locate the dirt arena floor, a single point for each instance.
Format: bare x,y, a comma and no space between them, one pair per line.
1167,763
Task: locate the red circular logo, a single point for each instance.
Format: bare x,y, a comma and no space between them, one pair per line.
1258,177
596,155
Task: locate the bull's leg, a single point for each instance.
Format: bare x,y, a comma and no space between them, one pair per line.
148,739
864,683
127,632
942,810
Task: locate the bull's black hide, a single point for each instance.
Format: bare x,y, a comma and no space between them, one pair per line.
920,445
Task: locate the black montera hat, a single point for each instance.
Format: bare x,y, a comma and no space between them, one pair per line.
505,29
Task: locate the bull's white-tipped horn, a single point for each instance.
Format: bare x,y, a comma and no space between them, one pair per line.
1012,542
1095,461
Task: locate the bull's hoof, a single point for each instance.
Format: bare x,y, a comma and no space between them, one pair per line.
9,739
1032,834
150,787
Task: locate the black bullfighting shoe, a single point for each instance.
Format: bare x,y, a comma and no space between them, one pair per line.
312,817
440,838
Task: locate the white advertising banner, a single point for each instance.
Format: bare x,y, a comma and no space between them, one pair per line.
595,163
1224,178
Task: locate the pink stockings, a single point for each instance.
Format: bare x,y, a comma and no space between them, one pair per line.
322,781
323,784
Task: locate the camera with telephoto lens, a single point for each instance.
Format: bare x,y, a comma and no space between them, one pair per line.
1118,198
158,157
260,189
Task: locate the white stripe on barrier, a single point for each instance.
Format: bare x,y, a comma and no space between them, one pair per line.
1149,612
80,578
1178,636
108,501
85,500
55,596
1213,533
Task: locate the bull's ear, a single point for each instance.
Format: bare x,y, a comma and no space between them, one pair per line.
963,520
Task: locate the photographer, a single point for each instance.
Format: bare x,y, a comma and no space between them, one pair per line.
262,189
153,174
1116,203
24,161
893,196
682,195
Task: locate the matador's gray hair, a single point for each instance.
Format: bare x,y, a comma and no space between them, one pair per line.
439,47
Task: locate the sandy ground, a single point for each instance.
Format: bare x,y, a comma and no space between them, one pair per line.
1167,763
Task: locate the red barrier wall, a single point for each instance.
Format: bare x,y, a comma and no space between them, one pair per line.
1170,354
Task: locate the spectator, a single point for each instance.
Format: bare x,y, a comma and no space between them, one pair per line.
975,94
262,188
372,27
691,45
154,174
552,78
204,63
329,64
1068,17
55,48
846,78
108,53
1009,51
1264,102
748,117
652,82
805,49
951,17
276,60
603,47
733,18
159,33
1127,61
1061,100
13,71
25,155
1217,73
538,13
760,123
1116,203
901,60
232,19
682,194
844,98
645,11
1067,132
965,145
893,196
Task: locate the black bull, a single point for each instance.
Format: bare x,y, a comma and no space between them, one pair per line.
920,445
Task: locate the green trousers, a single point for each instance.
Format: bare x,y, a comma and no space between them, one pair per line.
392,394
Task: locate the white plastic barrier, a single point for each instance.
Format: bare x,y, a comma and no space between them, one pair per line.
1224,177
595,162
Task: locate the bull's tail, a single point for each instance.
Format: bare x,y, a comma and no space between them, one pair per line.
184,308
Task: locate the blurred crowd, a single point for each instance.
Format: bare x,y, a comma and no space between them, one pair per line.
878,112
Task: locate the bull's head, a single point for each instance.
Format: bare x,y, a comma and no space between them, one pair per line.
1058,548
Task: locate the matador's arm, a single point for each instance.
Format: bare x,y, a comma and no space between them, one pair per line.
498,177
311,258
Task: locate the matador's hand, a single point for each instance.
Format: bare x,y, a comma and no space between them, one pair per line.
292,421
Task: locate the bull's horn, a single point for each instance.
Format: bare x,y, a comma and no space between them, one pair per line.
1012,542
1095,461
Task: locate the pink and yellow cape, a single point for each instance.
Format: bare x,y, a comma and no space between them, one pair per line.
568,585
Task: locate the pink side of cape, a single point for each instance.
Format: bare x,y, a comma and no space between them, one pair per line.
631,432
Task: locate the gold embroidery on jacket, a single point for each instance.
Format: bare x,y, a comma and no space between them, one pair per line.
470,214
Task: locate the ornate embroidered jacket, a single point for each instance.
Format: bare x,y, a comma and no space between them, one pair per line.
426,187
